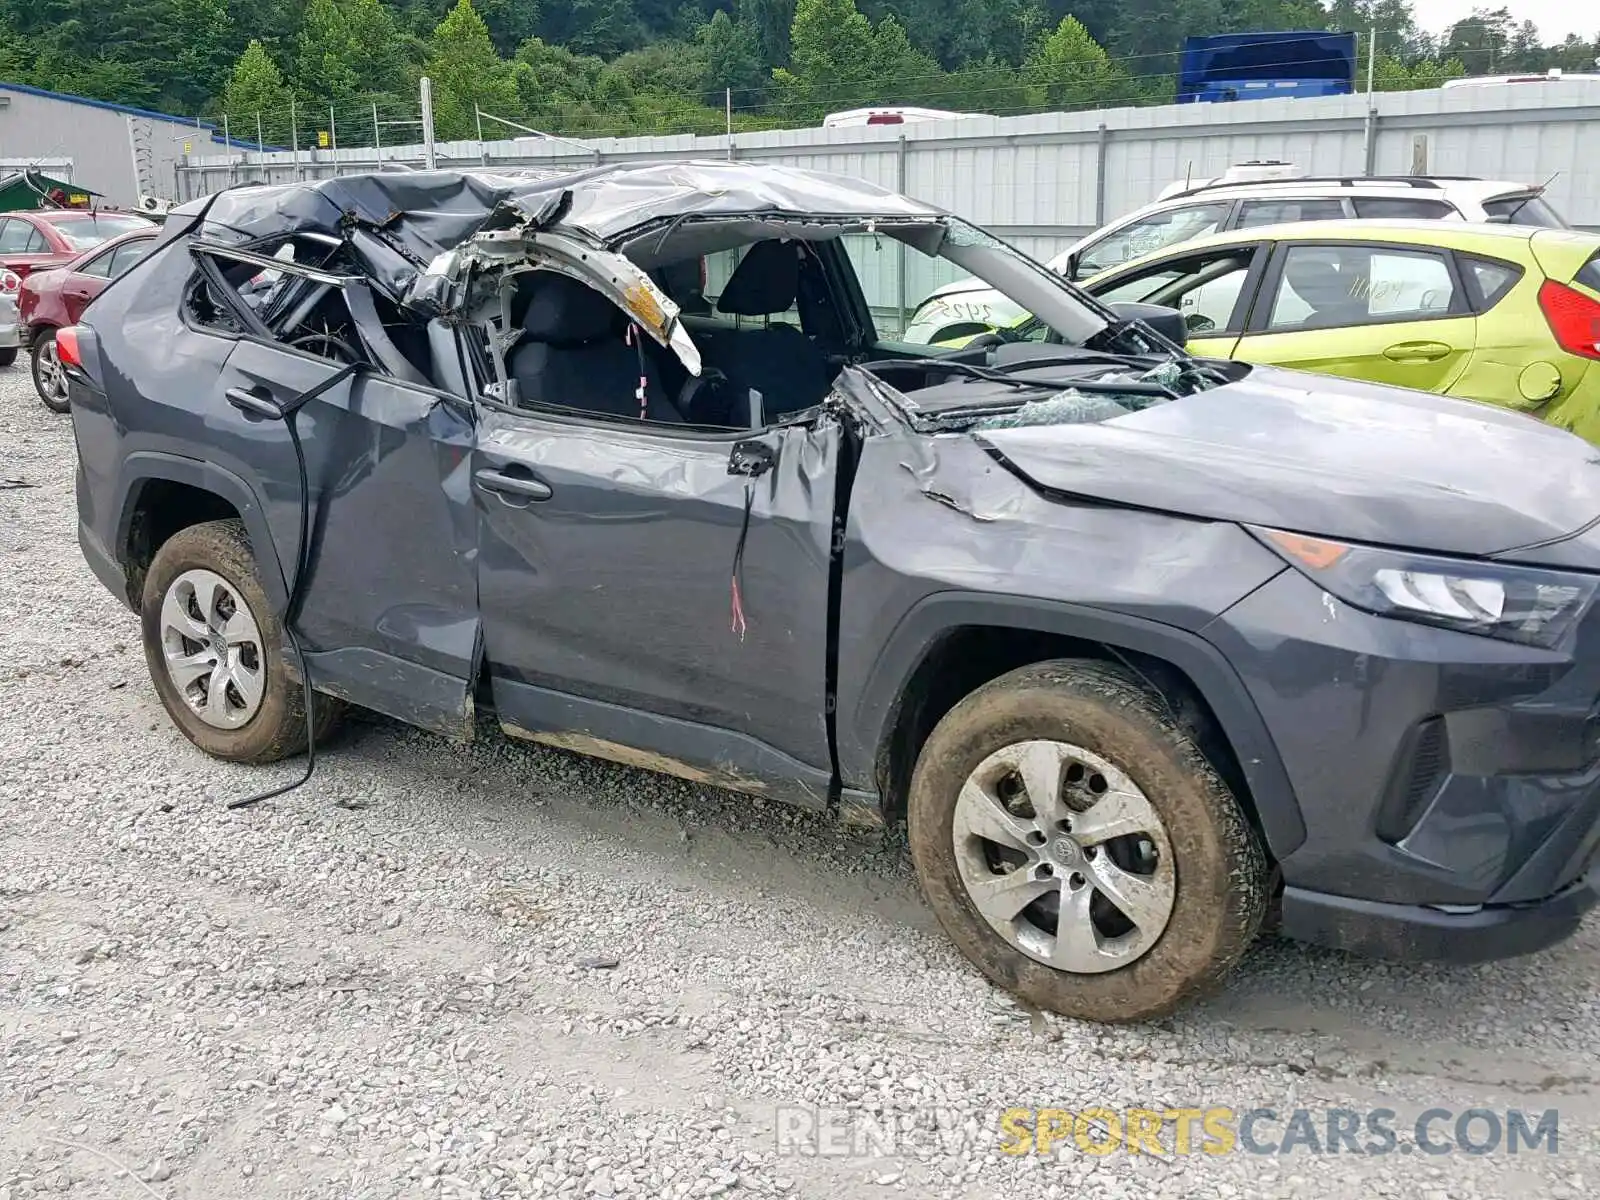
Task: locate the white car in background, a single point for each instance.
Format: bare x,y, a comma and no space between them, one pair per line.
10,324
1249,195
892,115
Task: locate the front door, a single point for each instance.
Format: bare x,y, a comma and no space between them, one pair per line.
1383,313
644,603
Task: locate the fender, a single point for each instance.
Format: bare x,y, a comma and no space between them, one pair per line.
863,740
143,466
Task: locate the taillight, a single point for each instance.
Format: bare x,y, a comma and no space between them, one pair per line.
1573,317
67,347
885,119
10,281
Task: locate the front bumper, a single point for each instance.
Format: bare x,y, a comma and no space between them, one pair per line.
1449,783
1414,931
11,331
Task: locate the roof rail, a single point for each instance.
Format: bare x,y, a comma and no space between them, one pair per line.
1415,181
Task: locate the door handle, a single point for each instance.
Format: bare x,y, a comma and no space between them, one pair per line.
516,485
1416,351
256,405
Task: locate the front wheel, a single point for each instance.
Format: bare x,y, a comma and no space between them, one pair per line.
215,649
49,380
1078,847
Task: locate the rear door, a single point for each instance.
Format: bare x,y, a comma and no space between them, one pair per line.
91,278
389,616
85,282
1383,312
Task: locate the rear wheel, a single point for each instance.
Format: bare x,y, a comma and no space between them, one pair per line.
1078,847
49,380
215,649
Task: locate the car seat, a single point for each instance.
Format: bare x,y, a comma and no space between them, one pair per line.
779,361
575,354
1329,288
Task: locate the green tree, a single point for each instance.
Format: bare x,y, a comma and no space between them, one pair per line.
668,68
905,74
731,53
1482,41
200,68
603,27
1069,70
256,88
16,54
772,20
832,60
511,22
350,51
990,85
467,75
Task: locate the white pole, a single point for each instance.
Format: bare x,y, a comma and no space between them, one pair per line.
427,122
333,139
1369,125
727,100
133,151
377,134
294,135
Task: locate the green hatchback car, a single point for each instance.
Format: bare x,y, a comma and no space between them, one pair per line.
1505,314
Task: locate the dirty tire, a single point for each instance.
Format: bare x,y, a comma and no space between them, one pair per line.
44,341
1221,871
278,727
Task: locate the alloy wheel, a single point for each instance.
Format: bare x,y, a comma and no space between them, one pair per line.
212,649
1064,856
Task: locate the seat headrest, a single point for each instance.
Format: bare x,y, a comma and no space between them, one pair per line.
563,311
764,283
1320,279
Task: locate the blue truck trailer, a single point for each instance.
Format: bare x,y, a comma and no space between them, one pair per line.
1261,66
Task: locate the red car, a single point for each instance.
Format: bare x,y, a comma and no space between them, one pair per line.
37,240
55,297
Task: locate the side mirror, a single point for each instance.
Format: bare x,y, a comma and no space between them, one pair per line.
1168,322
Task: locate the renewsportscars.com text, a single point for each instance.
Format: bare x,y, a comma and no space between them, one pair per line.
1216,1130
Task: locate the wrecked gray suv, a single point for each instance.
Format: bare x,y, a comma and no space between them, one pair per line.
1147,650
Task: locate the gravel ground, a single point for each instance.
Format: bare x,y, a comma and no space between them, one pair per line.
499,970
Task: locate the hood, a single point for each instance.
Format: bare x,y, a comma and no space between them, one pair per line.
959,287
1331,457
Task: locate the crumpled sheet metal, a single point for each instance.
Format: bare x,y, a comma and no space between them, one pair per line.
427,213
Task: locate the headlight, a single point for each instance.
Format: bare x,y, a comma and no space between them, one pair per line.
1518,604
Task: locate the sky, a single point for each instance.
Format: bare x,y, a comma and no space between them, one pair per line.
1555,18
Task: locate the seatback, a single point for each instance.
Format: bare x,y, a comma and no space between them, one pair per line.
1324,283
575,353
779,361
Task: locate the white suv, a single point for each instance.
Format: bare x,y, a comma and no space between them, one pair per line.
968,307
